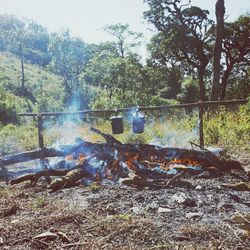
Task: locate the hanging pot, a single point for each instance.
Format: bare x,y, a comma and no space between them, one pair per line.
117,124
138,122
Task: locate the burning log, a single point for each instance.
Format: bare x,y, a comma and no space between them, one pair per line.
142,151
113,160
46,153
33,178
80,146
69,180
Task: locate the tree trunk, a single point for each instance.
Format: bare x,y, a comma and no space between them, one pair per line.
22,69
219,11
224,82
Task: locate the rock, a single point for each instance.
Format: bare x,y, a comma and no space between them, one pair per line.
153,205
15,221
199,188
184,200
179,198
194,215
164,210
137,210
247,170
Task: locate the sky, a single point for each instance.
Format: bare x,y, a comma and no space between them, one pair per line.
85,18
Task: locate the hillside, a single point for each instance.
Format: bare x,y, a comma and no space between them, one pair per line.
44,90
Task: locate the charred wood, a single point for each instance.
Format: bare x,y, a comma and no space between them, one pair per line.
69,180
109,139
33,178
126,151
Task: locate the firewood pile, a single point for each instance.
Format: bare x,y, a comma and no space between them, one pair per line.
137,165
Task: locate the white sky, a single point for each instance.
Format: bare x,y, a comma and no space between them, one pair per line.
85,18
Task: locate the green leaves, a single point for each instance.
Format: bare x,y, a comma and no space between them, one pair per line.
69,57
10,106
125,39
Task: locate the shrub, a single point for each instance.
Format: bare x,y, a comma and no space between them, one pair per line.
229,128
10,106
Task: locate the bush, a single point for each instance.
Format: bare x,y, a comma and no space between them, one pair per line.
10,106
229,128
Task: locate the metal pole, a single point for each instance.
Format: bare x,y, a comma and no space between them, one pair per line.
147,108
201,125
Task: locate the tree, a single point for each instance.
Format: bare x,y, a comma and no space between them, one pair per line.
25,39
18,45
125,38
189,90
37,42
236,49
185,34
117,75
13,36
219,12
68,59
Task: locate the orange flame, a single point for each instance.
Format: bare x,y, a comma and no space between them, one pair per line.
69,157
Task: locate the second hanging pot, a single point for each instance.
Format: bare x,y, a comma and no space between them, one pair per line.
138,122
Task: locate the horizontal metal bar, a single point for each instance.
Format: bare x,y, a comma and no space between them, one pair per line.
147,108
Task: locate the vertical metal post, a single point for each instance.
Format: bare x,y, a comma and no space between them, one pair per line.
201,125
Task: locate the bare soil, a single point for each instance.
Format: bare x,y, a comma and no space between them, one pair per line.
196,213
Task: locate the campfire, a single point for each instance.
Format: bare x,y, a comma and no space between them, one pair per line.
139,165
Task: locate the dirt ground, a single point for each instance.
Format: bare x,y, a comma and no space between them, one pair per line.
197,212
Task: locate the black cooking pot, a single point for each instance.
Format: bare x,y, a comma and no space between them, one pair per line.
138,122
117,124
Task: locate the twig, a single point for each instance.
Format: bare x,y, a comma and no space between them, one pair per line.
108,236
74,244
173,179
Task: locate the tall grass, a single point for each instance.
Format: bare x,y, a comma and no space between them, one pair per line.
225,128
228,128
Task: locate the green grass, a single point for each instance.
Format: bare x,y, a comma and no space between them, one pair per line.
46,92
125,217
224,128
38,203
229,129
95,188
